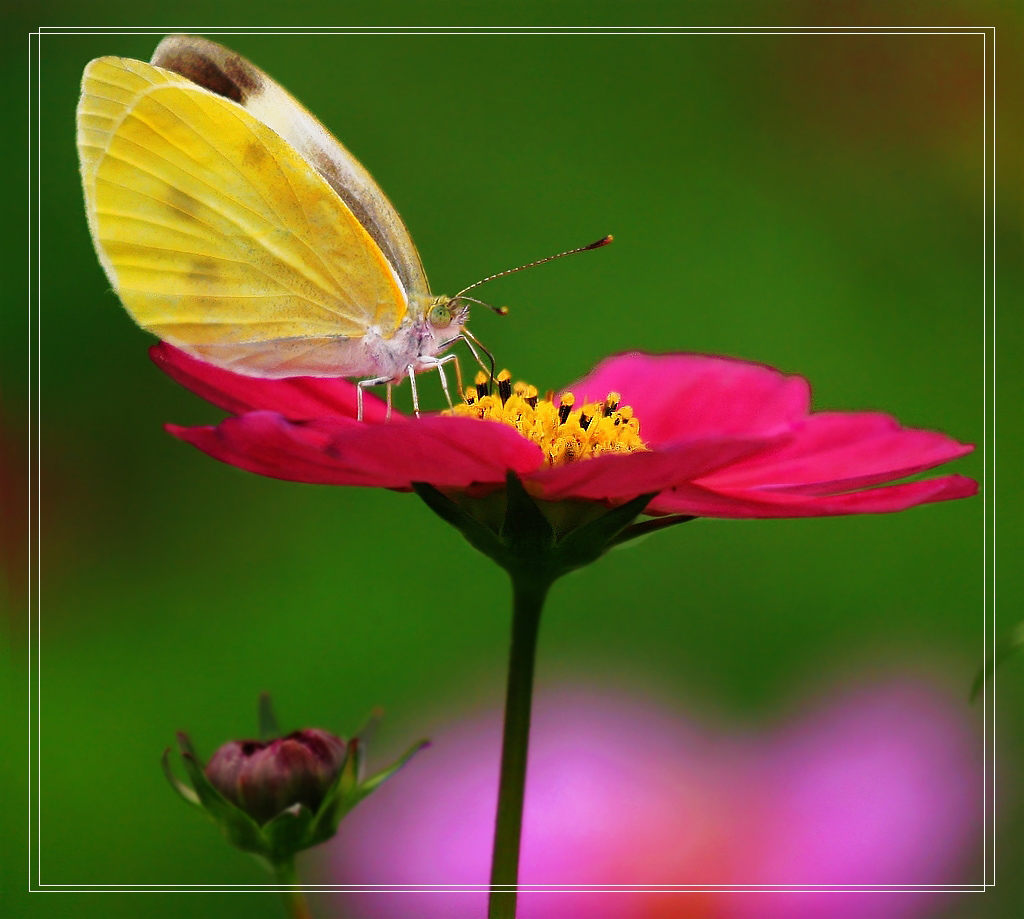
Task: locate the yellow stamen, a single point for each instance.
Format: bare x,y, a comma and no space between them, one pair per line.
565,433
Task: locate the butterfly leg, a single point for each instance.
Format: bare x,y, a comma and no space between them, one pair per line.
447,359
458,377
411,370
363,384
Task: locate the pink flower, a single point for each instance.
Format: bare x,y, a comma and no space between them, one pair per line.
880,786
710,436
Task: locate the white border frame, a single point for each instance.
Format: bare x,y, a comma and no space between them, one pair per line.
35,884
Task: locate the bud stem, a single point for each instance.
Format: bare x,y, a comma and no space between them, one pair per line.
528,601
295,899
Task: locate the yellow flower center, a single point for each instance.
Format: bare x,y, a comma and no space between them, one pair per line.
565,433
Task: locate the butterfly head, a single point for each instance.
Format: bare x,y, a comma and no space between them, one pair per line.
438,326
447,315
442,324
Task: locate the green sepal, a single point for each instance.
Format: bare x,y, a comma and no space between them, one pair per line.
646,527
348,775
476,534
375,781
239,828
527,542
345,795
325,823
288,832
525,530
264,862
177,784
1007,644
590,541
369,725
268,722
333,807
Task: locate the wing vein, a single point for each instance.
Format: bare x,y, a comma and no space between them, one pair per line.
316,255
218,235
208,320
249,232
163,224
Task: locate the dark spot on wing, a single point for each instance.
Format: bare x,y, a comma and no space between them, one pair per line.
203,271
183,203
254,154
235,80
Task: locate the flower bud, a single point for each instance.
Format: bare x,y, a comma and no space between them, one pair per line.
278,796
264,779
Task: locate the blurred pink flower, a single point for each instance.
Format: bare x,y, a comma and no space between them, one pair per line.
720,438
880,786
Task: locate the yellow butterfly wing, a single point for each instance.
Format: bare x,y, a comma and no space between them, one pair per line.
228,74
217,235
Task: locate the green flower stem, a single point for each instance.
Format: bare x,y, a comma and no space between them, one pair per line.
298,907
535,554
528,594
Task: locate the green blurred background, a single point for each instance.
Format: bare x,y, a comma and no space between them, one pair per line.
810,202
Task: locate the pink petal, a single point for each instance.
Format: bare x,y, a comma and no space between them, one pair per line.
837,451
759,503
624,476
441,450
297,398
696,396
447,452
268,444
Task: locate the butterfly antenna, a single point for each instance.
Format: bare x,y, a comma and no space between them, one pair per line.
603,241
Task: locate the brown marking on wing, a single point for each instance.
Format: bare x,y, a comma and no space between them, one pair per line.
325,165
204,270
235,81
243,73
254,154
183,203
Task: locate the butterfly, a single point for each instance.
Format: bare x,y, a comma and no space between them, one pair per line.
234,226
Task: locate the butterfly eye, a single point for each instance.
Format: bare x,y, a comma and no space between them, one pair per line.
440,316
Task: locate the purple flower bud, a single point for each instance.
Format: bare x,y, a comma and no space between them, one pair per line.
264,779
